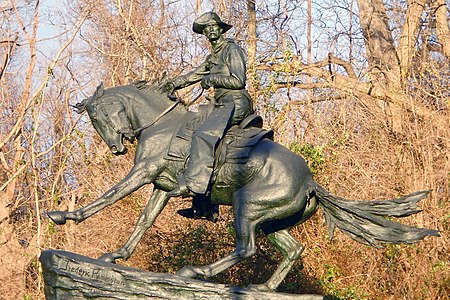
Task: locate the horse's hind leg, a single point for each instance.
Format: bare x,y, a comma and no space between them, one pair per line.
288,245
291,250
245,247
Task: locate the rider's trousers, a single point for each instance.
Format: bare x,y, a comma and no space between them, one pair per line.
199,167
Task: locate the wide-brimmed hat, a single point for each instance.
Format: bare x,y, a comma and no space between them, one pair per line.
208,18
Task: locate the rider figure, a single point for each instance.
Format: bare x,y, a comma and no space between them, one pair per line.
225,71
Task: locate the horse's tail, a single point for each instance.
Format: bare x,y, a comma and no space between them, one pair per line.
363,220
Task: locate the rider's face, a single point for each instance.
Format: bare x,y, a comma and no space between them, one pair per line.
212,31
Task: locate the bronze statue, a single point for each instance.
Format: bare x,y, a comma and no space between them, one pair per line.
272,190
269,186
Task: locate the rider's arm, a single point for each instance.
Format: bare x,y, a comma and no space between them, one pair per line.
235,61
191,77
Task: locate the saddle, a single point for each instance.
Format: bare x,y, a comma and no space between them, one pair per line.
234,148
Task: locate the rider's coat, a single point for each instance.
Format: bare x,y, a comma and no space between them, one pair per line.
225,70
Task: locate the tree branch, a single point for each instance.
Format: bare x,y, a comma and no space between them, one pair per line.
370,93
26,104
348,84
7,55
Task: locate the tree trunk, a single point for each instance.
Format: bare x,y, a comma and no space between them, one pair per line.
442,28
408,38
251,62
384,65
309,108
381,54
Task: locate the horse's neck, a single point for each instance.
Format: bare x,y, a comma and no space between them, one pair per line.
147,106
158,122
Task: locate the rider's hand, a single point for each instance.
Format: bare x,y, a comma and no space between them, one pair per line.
168,87
207,82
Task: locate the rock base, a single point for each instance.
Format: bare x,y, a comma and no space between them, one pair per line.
71,276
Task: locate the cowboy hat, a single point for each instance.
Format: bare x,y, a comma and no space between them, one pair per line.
208,18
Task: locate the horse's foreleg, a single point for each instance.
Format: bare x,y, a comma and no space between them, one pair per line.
139,175
154,207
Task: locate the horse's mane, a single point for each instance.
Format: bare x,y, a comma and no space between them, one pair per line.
155,89
144,84
151,90
154,85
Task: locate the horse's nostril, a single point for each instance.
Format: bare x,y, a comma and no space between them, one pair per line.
113,148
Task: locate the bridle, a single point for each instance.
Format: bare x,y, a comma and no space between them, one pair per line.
128,131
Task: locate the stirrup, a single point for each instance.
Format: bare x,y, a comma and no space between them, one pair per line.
182,189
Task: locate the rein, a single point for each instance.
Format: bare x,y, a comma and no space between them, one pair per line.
165,112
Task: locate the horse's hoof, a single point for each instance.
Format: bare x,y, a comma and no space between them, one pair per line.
187,271
259,288
108,257
57,216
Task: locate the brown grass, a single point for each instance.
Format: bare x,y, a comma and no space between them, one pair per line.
361,162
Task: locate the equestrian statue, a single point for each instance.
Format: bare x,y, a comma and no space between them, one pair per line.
221,155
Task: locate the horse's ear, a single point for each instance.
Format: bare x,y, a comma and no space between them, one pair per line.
80,107
99,91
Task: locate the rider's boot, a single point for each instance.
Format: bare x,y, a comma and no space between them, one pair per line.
201,209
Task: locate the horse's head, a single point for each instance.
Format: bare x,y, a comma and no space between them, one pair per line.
108,116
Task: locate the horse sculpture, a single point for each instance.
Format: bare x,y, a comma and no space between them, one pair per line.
274,190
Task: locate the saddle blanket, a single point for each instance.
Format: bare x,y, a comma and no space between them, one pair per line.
235,147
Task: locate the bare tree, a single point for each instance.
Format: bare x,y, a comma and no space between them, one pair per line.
382,84
24,154
360,88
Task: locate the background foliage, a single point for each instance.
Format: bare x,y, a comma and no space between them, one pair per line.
359,88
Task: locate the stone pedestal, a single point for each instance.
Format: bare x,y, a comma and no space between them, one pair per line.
71,276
